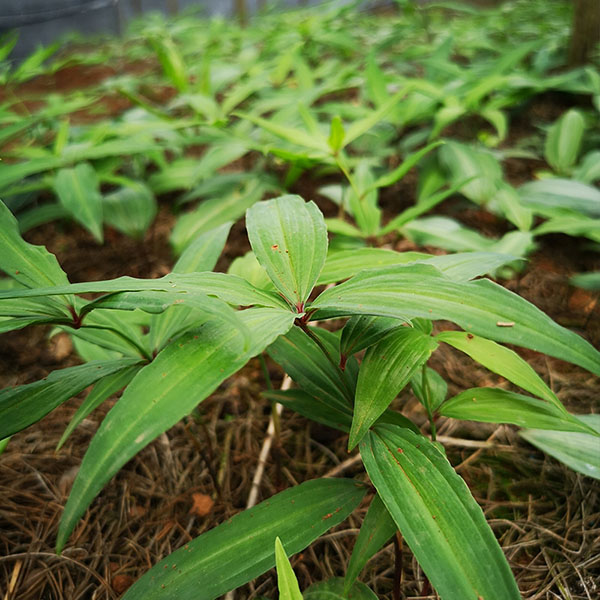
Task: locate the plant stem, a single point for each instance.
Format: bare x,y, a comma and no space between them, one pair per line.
265,370
427,392
397,592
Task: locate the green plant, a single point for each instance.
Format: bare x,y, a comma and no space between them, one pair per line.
194,338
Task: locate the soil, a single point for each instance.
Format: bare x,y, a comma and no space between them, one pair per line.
199,473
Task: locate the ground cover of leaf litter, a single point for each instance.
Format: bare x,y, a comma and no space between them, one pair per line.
546,517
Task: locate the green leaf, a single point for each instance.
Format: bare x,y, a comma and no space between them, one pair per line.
479,307
303,360
548,195
579,451
405,166
32,266
387,367
510,203
333,589
498,119
343,264
242,548
335,415
375,81
79,192
571,225
362,331
14,173
446,233
130,209
444,116
502,361
587,281
106,387
340,227
214,212
360,127
171,61
430,388
588,170
362,200
228,288
494,405
336,135
249,268
464,162
563,141
176,381
424,204
24,405
290,134
202,254
438,517
377,528
286,579
464,266
289,239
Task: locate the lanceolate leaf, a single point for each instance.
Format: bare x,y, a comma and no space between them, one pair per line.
480,307
430,388
214,212
286,579
438,517
106,387
407,164
242,548
307,365
503,361
387,367
78,191
229,288
362,331
464,266
31,266
343,264
23,405
130,209
579,451
337,416
204,251
181,376
564,141
289,239
377,528
291,134
494,405
548,195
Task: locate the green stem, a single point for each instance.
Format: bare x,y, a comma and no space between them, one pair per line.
265,370
427,391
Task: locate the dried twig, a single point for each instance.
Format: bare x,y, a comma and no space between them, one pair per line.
266,448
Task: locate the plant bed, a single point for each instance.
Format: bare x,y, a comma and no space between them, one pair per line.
165,178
